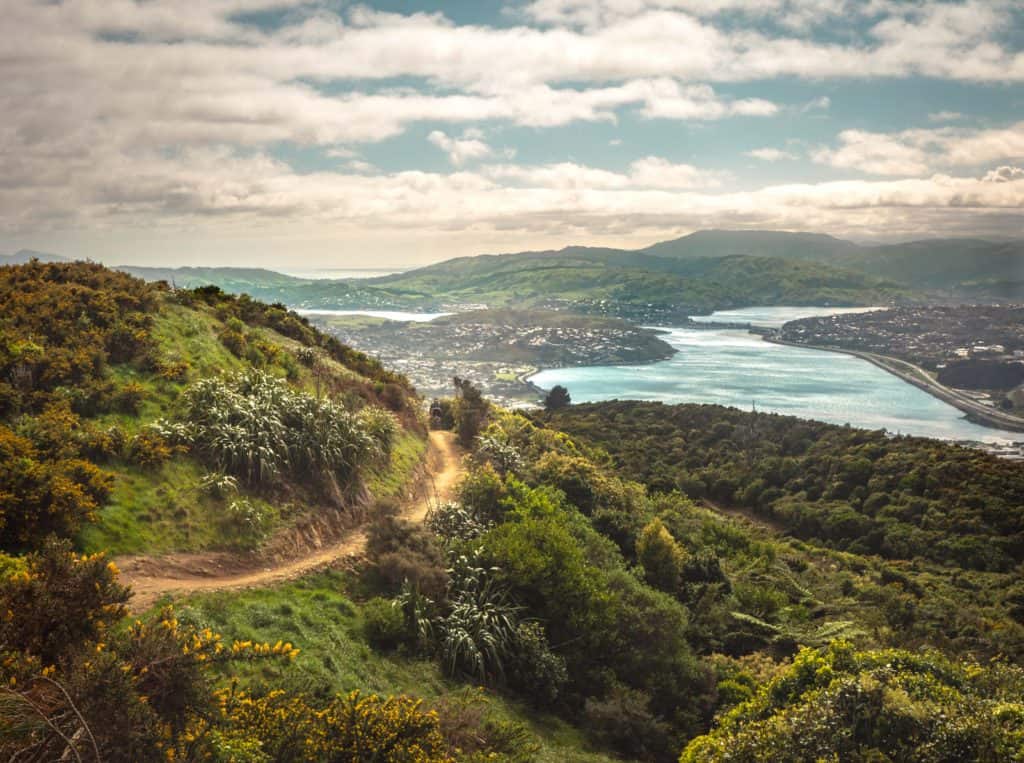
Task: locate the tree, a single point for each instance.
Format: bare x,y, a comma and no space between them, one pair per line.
557,398
470,410
661,557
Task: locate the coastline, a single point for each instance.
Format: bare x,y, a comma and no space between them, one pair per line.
911,374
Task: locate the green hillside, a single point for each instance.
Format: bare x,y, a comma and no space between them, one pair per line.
628,283
953,268
722,243
635,285
102,364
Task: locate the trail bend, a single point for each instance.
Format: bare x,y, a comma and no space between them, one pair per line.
153,577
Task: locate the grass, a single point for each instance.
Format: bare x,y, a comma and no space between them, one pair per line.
163,510
315,614
406,454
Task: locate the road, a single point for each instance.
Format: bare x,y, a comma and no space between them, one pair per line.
908,372
152,577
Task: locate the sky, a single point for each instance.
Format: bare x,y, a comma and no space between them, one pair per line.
294,134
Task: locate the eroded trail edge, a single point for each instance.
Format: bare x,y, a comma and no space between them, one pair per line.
153,577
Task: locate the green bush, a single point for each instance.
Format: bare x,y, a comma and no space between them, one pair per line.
384,624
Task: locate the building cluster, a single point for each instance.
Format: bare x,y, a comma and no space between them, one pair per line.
930,337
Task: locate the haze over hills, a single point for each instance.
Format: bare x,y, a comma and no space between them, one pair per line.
698,273
27,255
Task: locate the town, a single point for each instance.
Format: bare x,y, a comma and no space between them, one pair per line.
496,349
977,349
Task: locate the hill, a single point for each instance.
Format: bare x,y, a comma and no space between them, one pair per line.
105,373
958,268
636,285
24,256
722,243
235,280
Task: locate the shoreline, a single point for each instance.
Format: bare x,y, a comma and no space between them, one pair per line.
976,412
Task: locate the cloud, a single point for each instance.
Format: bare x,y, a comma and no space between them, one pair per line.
651,172
655,172
1004,175
459,150
874,153
770,154
918,152
130,115
824,103
945,116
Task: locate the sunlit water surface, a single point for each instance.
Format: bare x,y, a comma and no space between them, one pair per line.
735,368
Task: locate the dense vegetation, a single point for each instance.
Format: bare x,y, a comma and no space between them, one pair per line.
842,704
856,490
108,395
577,579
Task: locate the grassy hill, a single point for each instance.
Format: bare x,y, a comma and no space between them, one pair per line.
634,284
101,362
963,267
722,243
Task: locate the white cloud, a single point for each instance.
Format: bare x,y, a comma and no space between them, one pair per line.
918,152
655,172
945,116
874,153
823,103
1004,175
460,150
127,114
770,154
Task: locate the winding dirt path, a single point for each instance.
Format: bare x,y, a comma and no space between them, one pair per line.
153,577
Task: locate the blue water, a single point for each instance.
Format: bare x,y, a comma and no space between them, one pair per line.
391,315
335,274
735,368
774,317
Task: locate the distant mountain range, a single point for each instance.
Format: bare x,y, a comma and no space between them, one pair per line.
27,255
970,266
698,273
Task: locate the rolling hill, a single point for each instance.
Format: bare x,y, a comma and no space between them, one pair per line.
695,274
961,267
23,256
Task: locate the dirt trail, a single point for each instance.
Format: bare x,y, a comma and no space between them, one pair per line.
152,577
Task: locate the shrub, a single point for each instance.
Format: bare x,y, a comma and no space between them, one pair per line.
403,551
454,523
482,493
129,398
256,427
479,634
469,727
381,426
623,721
384,623
40,495
250,521
534,670
840,704
660,556
150,448
350,728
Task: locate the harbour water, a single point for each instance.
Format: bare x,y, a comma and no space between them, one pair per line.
390,315
739,369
